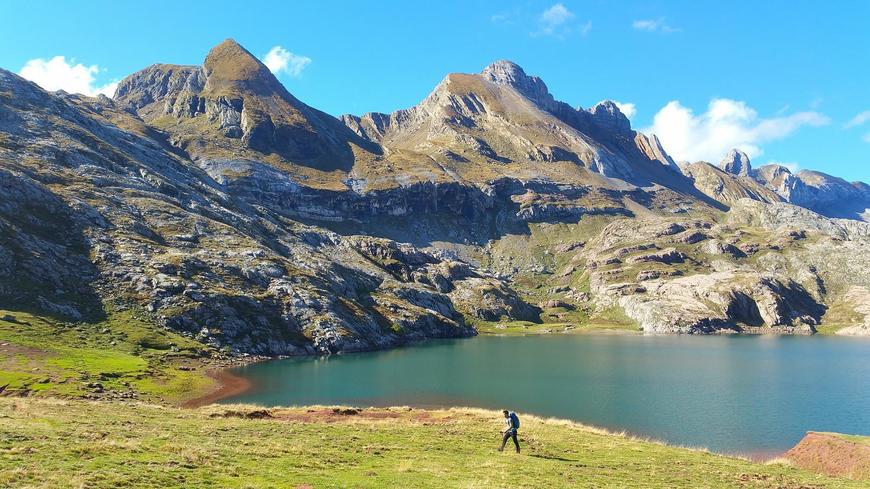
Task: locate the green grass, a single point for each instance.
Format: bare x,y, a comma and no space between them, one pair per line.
560,320
52,443
829,329
862,440
124,353
513,328
613,318
838,316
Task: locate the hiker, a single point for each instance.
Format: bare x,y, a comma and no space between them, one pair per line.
512,421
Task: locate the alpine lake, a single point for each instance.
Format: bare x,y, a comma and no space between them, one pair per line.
750,395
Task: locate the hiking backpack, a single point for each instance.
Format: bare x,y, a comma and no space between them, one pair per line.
515,420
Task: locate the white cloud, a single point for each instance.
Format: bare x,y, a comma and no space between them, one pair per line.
628,109
58,74
557,21
653,25
725,125
555,16
645,25
279,60
866,138
858,120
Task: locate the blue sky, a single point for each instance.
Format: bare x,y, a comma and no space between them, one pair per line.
787,81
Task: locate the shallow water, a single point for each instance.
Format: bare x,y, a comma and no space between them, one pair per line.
735,394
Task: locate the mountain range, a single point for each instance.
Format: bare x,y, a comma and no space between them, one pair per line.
222,207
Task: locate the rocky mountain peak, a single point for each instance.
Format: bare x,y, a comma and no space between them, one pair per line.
504,72
736,162
607,115
229,66
233,104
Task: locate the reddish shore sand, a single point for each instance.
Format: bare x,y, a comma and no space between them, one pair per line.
228,385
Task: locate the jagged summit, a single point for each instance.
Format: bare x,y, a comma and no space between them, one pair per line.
478,124
473,128
727,187
736,162
607,115
508,73
505,72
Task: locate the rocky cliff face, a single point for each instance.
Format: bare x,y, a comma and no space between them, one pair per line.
227,209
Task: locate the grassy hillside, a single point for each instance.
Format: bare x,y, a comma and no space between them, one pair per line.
53,443
123,356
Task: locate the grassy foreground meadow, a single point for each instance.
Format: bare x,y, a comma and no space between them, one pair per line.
97,444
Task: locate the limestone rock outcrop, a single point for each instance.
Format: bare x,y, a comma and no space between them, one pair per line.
724,301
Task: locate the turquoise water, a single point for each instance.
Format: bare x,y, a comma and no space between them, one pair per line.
735,394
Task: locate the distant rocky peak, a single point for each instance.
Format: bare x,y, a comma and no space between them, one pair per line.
607,106
606,114
736,162
508,73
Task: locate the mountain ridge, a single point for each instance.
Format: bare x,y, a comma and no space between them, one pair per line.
223,208
444,142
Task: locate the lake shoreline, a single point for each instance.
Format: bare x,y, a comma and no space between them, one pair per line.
603,380
228,385
232,385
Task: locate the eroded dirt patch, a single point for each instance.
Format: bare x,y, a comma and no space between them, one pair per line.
832,455
9,351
